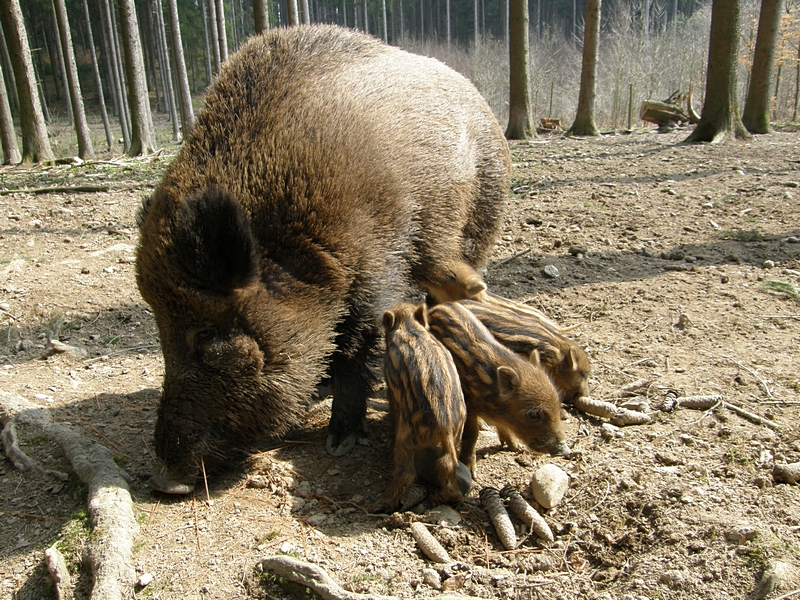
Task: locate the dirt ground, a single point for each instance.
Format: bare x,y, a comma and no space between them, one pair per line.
676,264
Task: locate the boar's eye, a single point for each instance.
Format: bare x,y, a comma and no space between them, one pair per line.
202,336
534,414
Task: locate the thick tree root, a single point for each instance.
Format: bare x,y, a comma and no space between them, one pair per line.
58,571
110,505
318,580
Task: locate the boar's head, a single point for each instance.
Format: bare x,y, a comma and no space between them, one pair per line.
532,408
236,344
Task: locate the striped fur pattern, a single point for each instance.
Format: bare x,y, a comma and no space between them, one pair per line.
500,387
564,360
426,403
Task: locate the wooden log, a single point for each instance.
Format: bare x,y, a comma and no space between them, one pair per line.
662,114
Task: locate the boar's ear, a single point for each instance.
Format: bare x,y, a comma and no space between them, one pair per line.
535,359
388,321
507,380
573,357
421,315
214,243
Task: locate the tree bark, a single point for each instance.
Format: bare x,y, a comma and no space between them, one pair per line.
756,107
292,13
166,71
187,112
519,100
98,82
212,25
8,135
584,119
11,84
720,109
143,138
85,149
260,16
62,65
116,63
221,32
35,145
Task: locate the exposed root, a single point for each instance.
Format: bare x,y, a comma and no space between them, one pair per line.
110,505
58,571
19,459
713,401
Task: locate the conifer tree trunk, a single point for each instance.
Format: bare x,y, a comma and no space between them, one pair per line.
166,72
35,145
221,32
185,94
756,107
584,119
260,16
143,138
117,73
11,84
8,135
519,101
85,149
98,82
62,64
212,25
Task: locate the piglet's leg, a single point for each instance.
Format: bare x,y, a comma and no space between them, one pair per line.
446,469
468,442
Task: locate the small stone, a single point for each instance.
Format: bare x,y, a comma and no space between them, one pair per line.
550,271
316,520
431,578
714,224
609,431
286,547
549,484
443,515
724,279
769,264
144,580
577,249
791,240
85,271
740,535
672,578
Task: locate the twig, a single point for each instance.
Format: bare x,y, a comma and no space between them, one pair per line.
714,401
109,500
795,317
789,595
26,515
58,571
4,311
754,374
512,257
47,190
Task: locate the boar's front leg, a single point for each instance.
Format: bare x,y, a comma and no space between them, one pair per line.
352,384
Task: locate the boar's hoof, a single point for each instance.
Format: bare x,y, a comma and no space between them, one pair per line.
342,448
161,484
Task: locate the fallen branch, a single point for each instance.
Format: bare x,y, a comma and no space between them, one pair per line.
754,374
109,499
512,257
715,400
56,189
317,579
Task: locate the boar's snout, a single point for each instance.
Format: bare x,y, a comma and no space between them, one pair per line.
562,449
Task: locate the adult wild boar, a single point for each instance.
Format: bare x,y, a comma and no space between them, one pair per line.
326,173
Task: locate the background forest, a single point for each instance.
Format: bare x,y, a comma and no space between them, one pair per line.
648,49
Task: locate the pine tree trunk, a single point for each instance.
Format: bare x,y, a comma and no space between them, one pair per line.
260,16
166,71
98,82
8,135
11,83
114,55
35,145
212,25
209,53
519,101
187,112
720,109
85,149
386,24
62,66
143,139
584,119
756,107
221,31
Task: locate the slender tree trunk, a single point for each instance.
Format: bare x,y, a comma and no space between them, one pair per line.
42,93
8,135
143,138
260,16
108,52
756,107
477,22
187,112
519,101
167,72
221,31
344,13
11,83
35,145
304,12
62,65
720,109
366,18
212,25
447,3
796,86
385,22
209,53
116,61
584,119
85,149
98,82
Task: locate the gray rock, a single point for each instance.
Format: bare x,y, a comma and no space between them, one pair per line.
549,484
551,271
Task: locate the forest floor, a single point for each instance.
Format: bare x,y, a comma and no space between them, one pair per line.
688,277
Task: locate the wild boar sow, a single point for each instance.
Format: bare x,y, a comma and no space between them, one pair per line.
326,174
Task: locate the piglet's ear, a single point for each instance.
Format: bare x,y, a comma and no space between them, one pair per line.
388,321
508,381
214,244
421,315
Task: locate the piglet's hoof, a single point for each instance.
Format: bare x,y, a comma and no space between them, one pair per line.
161,484
345,447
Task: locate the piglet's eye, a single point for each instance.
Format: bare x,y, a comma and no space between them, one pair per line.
533,414
202,336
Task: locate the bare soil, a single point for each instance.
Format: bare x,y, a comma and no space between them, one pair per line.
667,258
